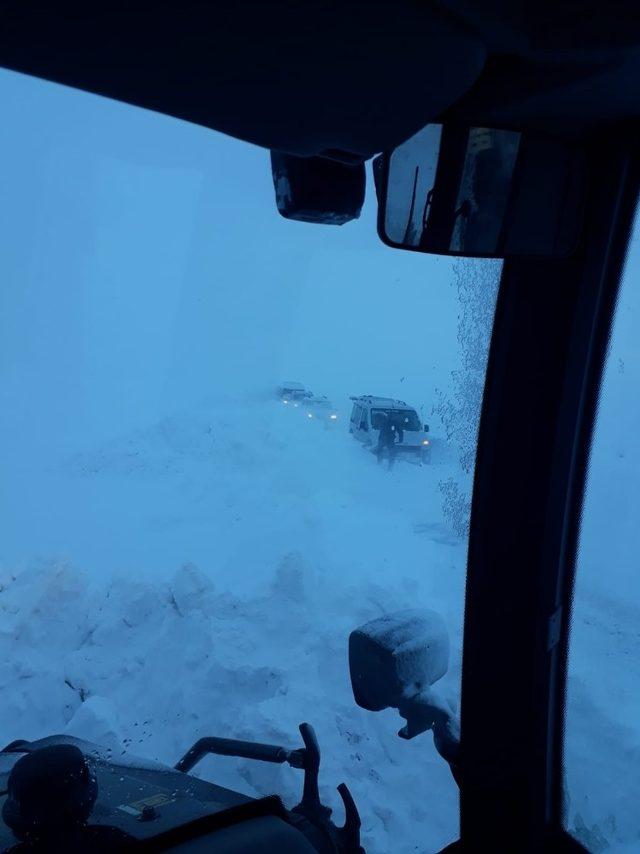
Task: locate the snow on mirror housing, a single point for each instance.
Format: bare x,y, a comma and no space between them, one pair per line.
481,192
394,662
395,654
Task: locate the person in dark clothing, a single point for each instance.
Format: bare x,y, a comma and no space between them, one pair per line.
386,439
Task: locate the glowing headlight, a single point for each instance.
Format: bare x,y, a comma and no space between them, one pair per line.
333,417
309,414
425,441
285,401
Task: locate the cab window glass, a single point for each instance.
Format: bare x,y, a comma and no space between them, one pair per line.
602,749
183,554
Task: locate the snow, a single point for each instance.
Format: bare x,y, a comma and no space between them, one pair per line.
202,576
249,642
181,555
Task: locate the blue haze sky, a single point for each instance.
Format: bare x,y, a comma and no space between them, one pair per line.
145,267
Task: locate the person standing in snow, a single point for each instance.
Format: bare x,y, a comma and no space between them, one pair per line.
386,439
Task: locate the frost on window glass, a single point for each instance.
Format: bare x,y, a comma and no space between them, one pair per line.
190,531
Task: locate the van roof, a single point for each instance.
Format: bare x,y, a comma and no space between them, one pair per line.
388,402
292,385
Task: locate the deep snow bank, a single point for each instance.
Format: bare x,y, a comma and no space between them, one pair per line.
150,668
283,537
222,556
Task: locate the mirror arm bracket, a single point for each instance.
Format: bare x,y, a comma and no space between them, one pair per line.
428,711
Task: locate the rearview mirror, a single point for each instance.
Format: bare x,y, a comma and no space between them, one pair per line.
481,192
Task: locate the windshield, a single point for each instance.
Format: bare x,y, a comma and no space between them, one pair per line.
402,419
182,554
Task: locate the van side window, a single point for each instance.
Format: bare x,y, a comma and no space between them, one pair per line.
364,422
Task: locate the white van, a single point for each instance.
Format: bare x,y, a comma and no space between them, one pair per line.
367,414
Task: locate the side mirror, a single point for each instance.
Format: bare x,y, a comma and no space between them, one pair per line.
394,661
426,428
397,655
481,192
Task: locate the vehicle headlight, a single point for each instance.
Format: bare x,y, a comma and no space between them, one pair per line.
309,414
285,401
333,417
425,441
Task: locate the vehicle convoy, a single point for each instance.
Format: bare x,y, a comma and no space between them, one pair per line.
292,392
321,409
501,130
368,414
318,407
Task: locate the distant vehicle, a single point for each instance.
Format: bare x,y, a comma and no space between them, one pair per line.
293,392
366,419
320,408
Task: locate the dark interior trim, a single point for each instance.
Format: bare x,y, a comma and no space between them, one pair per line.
551,327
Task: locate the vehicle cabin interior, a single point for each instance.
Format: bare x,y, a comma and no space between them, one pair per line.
331,85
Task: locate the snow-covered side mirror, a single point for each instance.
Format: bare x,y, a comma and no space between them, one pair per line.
426,428
397,656
394,662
